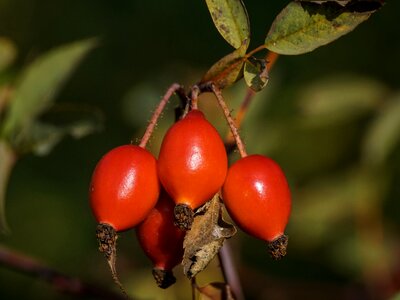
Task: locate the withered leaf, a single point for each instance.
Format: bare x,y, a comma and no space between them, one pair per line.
206,237
228,69
216,291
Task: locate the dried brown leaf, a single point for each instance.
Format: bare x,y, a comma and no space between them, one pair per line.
206,237
228,69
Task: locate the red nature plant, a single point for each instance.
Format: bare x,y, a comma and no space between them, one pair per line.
123,190
124,187
192,167
257,197
192,164
161,240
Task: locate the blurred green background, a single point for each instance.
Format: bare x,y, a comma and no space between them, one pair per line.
331,118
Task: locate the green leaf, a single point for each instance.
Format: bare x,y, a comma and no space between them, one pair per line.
7,161
57,123
40,82
8,53
339,98
304,26
256,74
227,70
231,20
328,206
383,134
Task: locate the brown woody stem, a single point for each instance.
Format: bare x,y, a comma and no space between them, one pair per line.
194,287
229,270
271,59
61,282
218,94
174,88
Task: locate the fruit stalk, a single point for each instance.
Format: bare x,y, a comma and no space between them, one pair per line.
239,143
154,118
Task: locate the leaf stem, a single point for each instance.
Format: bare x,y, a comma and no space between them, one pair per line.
218,94
174,88
252,52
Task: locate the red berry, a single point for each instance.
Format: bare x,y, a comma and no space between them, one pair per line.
124,187
161,240
257,197
192,163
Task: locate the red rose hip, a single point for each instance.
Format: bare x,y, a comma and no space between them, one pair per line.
257,197
192,164
123,190
124,187
162,241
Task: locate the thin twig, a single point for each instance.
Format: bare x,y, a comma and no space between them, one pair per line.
229,270
154,118
218,94
271,58
61,282
194,96
194,288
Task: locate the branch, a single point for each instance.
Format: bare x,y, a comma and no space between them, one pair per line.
61,282
229,270
271,59
244,107
239,143
174,88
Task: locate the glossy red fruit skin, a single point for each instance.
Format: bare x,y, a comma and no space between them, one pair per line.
124,187
257,197
192,163
159,238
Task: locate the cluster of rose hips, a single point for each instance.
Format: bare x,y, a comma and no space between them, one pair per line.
192,167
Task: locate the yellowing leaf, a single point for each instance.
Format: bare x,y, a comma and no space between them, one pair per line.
227,70
303,26
230,18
